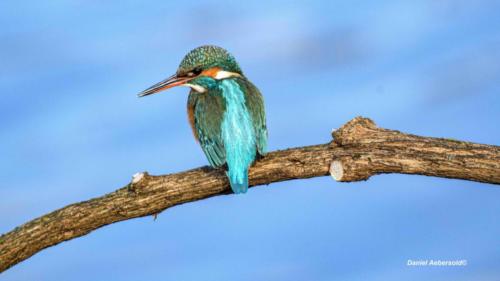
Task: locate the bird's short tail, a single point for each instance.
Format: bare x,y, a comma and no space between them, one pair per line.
238,181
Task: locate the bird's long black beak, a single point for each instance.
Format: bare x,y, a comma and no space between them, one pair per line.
168,83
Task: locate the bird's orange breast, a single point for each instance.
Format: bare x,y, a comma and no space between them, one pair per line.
190,110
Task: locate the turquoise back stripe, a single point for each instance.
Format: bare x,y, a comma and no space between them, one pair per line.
238,135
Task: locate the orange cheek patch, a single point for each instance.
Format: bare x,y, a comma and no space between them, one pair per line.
211,72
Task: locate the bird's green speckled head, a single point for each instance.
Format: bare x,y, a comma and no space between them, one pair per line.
206,57
200,69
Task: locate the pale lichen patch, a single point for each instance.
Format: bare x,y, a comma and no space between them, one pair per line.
336,170
137,177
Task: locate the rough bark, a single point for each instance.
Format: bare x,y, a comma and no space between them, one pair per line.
358,151
366,150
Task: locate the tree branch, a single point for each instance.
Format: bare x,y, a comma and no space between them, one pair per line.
358,151
366,150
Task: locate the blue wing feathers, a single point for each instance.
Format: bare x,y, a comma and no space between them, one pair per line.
208,111
255,105
230,125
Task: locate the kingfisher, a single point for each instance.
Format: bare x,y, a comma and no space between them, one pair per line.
225,111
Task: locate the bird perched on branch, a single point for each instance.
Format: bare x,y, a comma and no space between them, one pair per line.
225,109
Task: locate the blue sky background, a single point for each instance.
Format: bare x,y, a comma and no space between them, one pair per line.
74,129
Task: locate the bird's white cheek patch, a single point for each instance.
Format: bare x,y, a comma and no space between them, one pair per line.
197,88
221,74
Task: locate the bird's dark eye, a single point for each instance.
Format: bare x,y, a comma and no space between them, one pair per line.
196,71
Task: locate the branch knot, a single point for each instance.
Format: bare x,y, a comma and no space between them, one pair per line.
354,131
